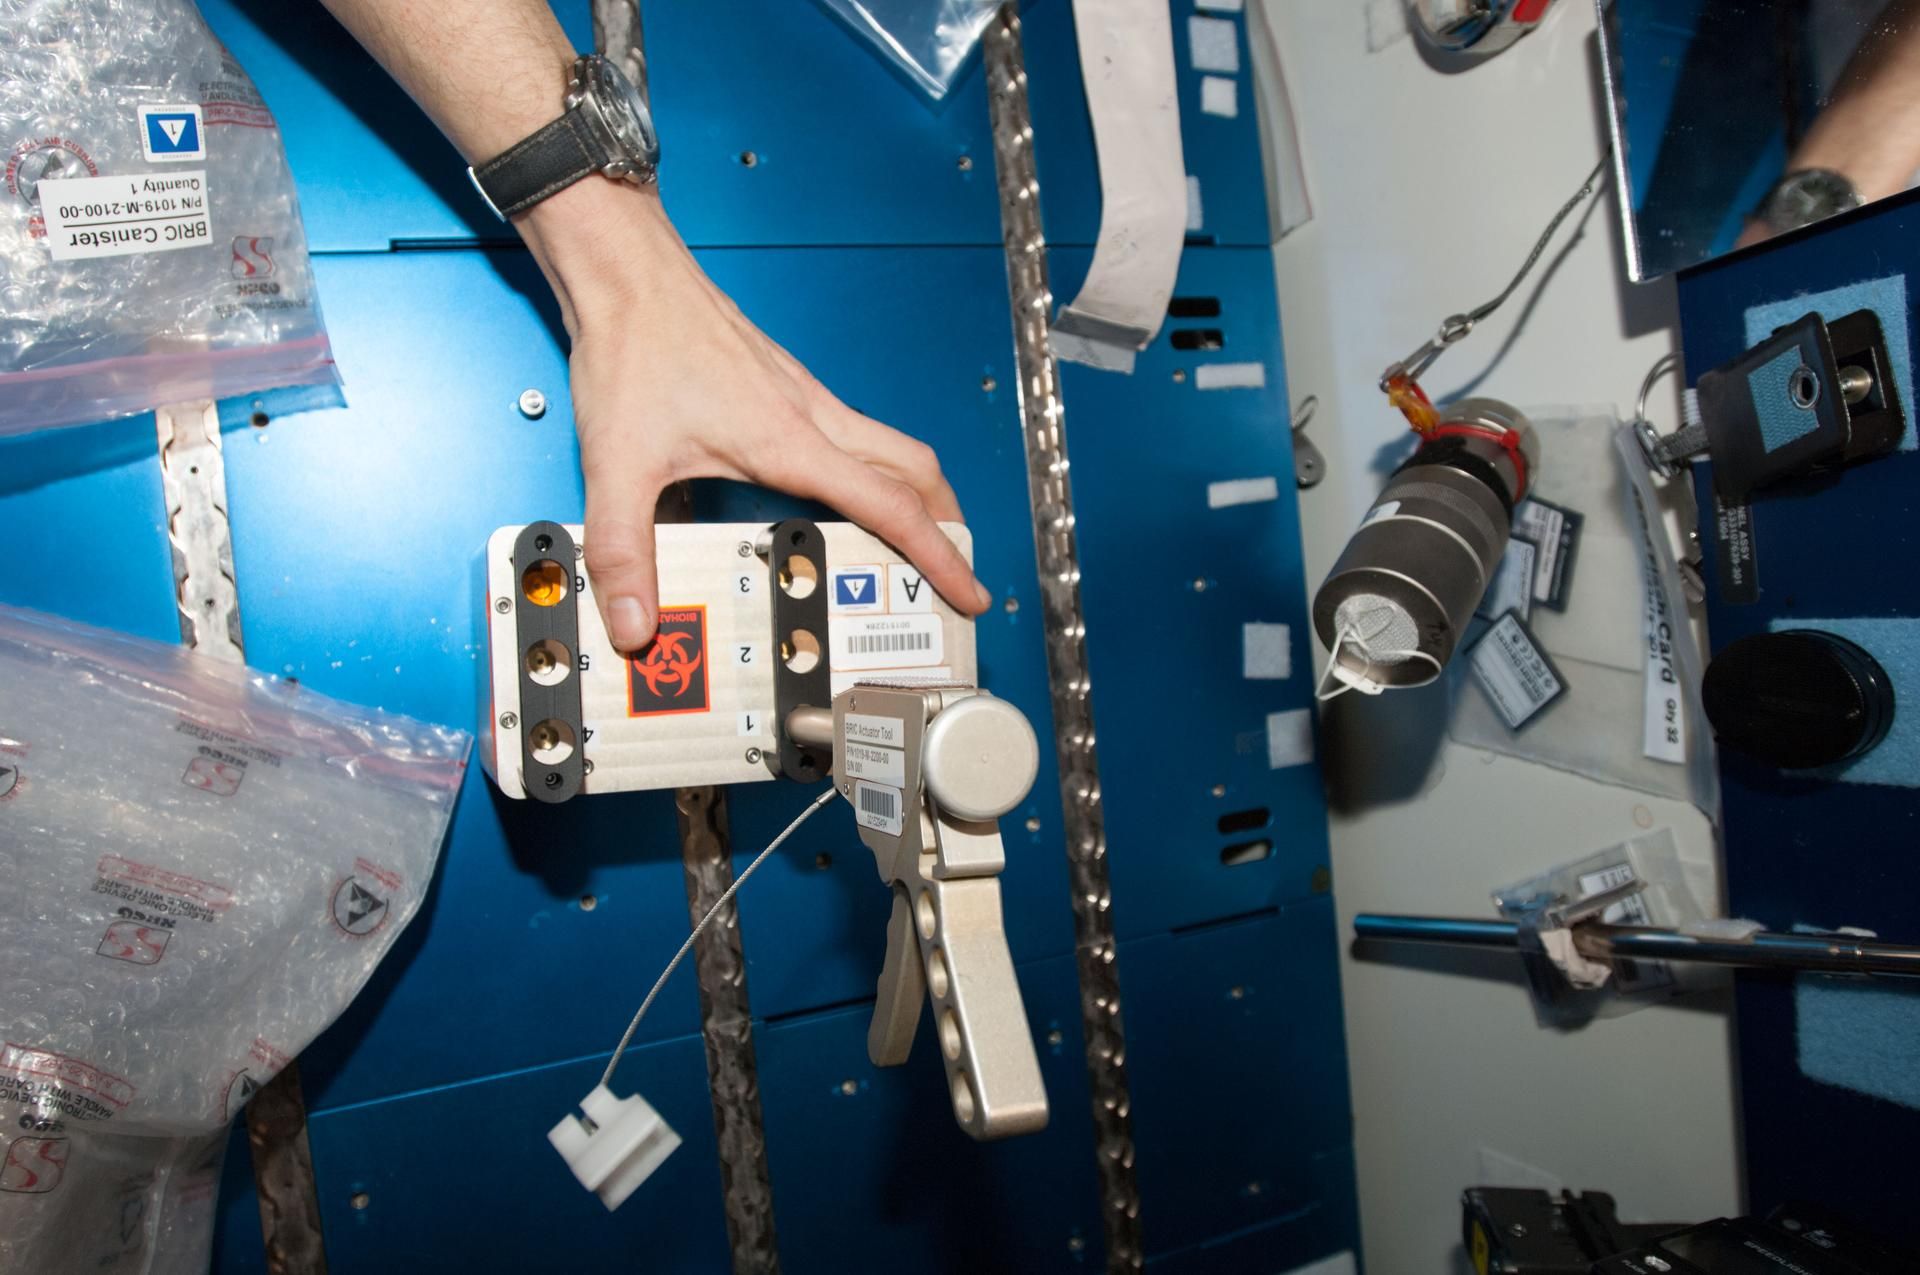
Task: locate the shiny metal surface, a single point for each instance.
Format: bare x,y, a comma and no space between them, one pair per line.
1050,491
946,937
981,758
193,477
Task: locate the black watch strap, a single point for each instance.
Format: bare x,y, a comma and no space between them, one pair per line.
540,165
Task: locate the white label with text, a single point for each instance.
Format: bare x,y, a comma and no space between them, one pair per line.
886,641
119,216
881,765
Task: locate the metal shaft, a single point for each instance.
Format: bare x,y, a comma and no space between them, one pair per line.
1051,495
1812,953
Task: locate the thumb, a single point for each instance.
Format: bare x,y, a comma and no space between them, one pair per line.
619,554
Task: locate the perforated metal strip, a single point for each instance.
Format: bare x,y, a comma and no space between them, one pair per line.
1051,494
193,482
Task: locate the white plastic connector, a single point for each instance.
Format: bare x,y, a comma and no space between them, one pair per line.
616,1147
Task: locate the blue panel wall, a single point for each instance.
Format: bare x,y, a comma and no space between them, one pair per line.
859,240
1803,849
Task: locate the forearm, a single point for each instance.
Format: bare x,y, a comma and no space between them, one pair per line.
1870,133
488,72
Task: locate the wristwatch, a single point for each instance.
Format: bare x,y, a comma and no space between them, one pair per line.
1804,197
606,129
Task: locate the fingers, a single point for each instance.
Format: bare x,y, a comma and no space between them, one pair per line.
894,511
905,457
619,554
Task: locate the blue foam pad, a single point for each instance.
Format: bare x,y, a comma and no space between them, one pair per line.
1895,642
1885,297
1860,1036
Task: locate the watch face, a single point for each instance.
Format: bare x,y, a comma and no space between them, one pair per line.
625,114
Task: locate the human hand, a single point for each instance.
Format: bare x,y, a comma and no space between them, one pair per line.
671,381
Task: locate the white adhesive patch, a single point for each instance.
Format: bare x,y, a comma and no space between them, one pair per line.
1213,44
1289,738
1241,491
1220,96
1266,651
1196,211
1230,376
1218,6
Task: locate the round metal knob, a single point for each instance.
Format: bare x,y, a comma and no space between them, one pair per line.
980,758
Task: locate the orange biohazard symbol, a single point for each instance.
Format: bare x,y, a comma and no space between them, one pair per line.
669,662
670,676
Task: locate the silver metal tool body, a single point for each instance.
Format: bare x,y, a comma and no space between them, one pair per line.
928,771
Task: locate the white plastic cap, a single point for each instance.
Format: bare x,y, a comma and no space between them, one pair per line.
617,1147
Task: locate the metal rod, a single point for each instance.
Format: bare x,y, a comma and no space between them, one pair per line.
1814,953
810,725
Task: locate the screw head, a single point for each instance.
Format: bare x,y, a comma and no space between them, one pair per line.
753,757
586,765
1179,375
1200,584
1033,823
1236,993
964,163
744,549
1056,1038
509,720
552,779
1219,790
849,1087
1517,1229
1076,1244
988,384
532,403
360,1199
503,605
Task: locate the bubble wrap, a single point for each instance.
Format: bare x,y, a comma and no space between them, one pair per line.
199,868
107,336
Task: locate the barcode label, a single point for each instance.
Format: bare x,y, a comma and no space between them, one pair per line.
886,641
878,806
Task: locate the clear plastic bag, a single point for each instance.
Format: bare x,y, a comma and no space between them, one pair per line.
200,868
1668,899
926,40
1621,643
189,301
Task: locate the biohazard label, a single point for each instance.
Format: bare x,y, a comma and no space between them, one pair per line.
886,641
670,675
47,1081
119,216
